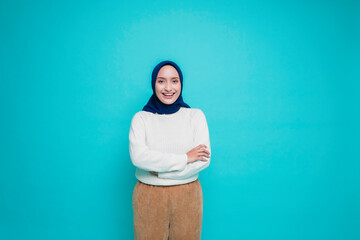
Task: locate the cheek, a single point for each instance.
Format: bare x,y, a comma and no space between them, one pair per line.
157,91
178,88
157,88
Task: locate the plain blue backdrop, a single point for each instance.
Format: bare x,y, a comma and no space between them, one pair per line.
277,80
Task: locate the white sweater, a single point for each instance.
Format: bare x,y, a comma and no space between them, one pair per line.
159,143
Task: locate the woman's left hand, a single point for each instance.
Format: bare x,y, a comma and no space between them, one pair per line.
154,173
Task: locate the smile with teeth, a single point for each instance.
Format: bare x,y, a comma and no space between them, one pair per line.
168,95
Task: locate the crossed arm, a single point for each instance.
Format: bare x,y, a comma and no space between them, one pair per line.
168,165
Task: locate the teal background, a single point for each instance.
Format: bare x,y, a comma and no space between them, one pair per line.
277,80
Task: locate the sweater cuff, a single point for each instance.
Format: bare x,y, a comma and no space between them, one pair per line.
182,165
183,161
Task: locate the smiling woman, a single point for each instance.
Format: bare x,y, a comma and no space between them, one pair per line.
168,86
169,145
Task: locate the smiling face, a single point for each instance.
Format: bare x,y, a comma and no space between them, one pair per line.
167,85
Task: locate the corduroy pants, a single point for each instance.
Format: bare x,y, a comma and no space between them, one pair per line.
168,212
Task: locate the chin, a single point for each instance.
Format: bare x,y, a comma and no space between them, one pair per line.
168,102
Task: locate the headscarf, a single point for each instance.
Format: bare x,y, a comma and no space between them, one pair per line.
154,105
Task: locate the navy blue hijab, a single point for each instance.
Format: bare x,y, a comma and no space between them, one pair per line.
154,105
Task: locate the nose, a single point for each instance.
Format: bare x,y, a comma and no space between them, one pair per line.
168,86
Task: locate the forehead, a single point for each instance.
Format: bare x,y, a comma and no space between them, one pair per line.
168,70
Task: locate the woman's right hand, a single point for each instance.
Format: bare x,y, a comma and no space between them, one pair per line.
198,153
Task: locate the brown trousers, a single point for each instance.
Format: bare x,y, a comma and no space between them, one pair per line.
168,212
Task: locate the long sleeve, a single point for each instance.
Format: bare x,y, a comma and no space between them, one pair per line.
201,137
147,159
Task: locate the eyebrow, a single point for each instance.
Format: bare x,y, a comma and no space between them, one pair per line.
171,78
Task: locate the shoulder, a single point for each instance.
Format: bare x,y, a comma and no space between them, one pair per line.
195,113
141,116
137,116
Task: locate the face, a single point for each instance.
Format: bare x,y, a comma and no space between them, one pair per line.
167,85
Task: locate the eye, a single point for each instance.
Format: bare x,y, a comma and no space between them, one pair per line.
175,81
160,81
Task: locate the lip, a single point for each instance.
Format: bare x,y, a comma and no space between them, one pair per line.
168,96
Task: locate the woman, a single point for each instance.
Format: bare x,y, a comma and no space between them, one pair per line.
169,145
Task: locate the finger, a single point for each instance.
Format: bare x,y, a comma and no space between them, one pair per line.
203,155
203,159
203,152
202,146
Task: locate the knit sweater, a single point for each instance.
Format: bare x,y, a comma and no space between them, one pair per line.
159,143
